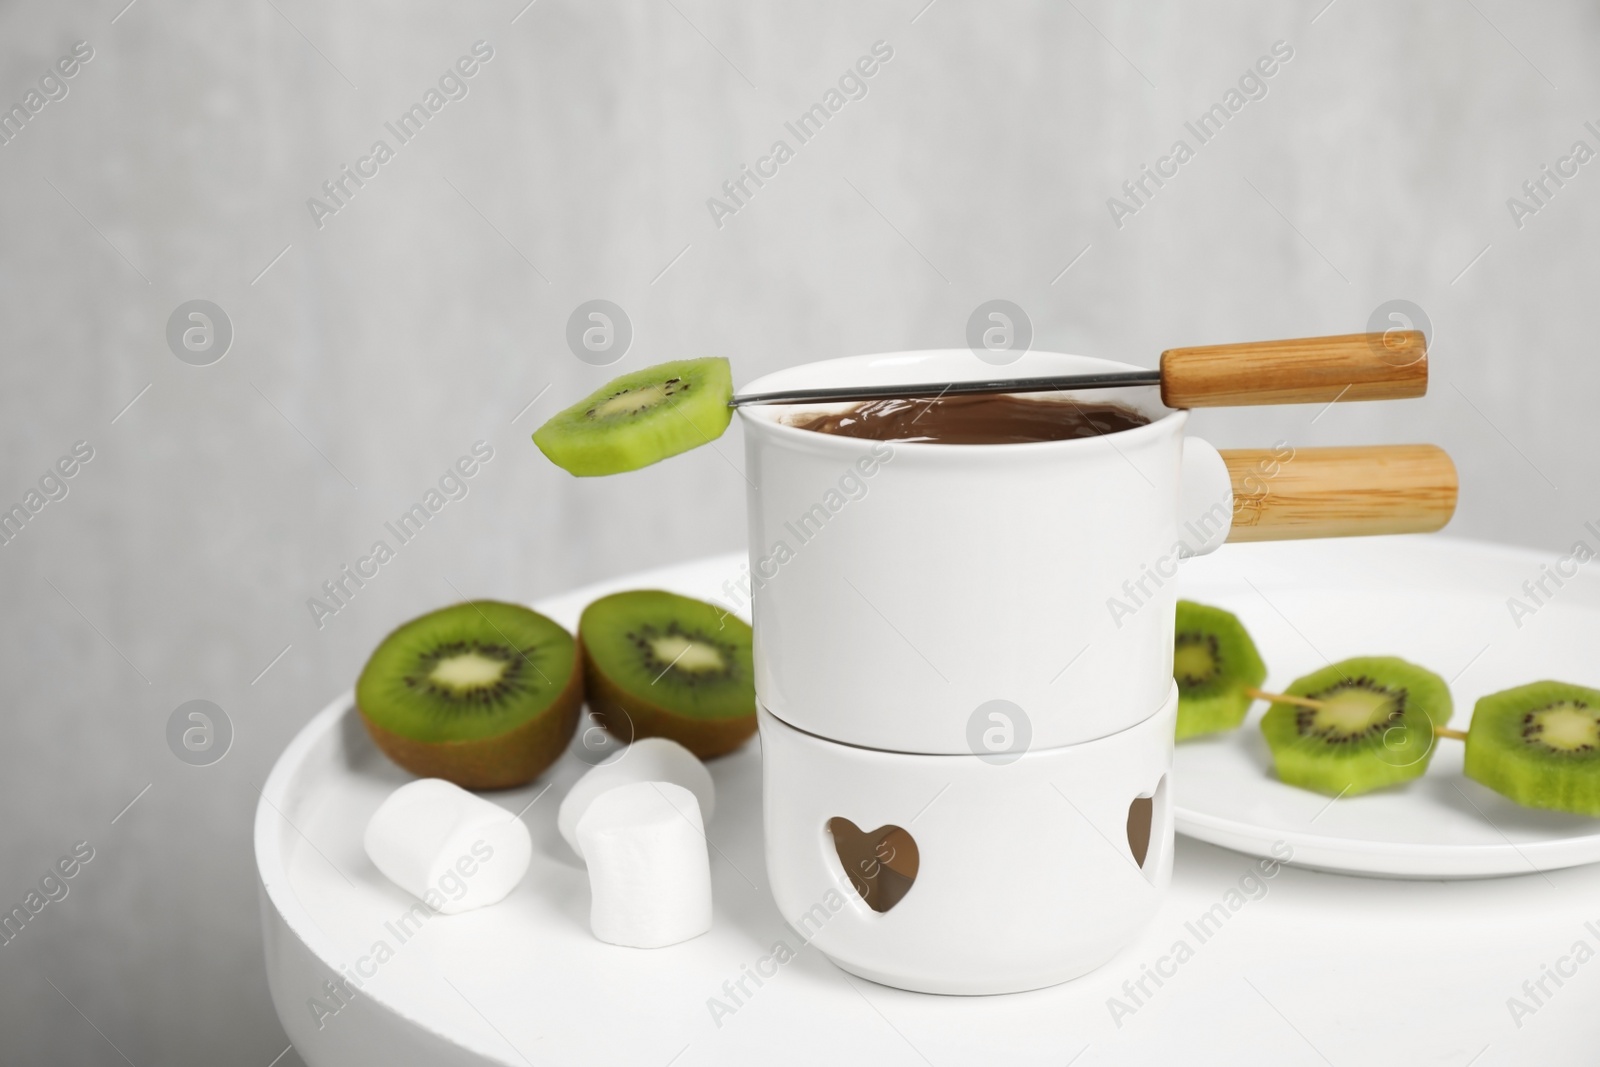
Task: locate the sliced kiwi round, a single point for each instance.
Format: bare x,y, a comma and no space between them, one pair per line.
641,418
661,665
1214,663
482,694
1539,745
1373,726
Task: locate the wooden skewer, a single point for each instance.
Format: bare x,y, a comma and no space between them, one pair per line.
1284,698
1308,702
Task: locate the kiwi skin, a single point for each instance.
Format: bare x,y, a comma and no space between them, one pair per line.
629,718
503,761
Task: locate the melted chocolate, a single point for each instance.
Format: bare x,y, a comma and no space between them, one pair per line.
990,419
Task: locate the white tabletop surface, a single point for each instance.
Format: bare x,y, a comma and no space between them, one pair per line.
1307,967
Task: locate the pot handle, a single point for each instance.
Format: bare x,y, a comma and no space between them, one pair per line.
1285,493
1311,370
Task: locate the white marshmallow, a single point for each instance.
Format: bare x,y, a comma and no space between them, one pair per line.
650,759
649,875
450,849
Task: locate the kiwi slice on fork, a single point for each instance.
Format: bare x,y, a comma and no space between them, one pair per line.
483,694
1357,725
641,418
1539,745
1216,665
661,665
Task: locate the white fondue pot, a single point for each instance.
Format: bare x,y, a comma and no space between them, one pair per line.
904,585
963,661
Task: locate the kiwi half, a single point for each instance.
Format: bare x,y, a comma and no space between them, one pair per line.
1539,745
661,665
641,418
482,694
1214,662
1375,728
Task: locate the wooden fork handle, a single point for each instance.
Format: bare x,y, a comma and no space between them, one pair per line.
1312,370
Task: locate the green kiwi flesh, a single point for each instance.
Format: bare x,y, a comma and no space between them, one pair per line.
641,418
1213,662
1539,745
1376,729
661,665
484,694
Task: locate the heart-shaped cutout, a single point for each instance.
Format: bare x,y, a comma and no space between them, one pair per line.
1140,815
881,864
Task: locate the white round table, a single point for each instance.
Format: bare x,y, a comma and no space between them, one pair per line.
1237,968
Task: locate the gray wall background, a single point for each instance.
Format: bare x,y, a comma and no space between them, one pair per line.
426,314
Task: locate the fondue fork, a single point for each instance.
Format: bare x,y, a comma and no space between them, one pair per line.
1310,370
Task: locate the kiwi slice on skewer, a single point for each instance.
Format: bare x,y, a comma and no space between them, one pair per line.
1539,745
1215,665
482,694
1359,725
661,665
641,418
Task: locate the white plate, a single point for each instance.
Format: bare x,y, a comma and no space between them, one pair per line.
1443,604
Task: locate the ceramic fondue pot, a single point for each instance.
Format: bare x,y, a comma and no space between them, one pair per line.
900,586
963,660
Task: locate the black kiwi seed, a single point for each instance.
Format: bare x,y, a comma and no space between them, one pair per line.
1532,728
1307,718
510,684
643,637
672,386
1186,640
607,400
